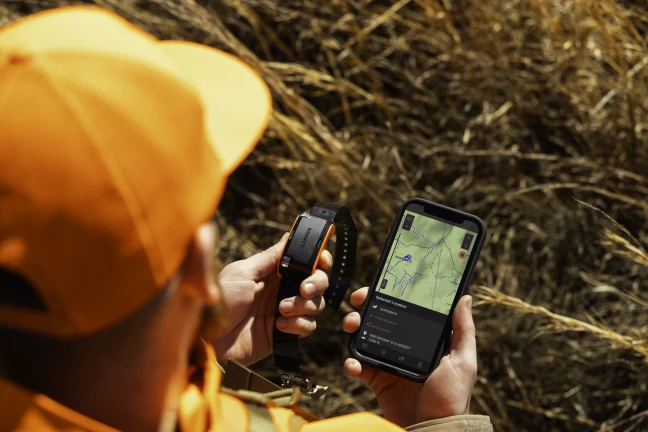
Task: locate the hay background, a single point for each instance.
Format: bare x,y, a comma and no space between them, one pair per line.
514,110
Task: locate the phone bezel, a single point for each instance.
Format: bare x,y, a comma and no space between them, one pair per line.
443,212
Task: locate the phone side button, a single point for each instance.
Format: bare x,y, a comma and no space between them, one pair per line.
470,276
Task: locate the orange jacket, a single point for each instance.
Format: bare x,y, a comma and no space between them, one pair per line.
203,408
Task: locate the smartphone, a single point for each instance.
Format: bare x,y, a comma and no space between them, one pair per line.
425,267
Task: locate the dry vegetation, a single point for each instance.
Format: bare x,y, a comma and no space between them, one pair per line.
528,113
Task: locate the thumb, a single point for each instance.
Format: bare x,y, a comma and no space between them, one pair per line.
463,329
265,262
354,369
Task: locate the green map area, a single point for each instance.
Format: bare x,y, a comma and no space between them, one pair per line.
426,262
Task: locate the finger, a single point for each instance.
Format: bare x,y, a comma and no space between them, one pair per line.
326,261
298,305
358,297
463,343
300,325
314,285
354,369
265,262
202,247
351,322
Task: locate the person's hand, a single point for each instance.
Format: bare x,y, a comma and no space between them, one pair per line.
249,290
445,393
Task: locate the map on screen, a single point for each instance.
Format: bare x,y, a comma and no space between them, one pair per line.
426,262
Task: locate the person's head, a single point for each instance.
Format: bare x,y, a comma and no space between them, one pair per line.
162,331
114,152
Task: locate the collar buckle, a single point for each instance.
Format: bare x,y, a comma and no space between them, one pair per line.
291,380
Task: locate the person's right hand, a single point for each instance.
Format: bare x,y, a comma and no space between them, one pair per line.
445,393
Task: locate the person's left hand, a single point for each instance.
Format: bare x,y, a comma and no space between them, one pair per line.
249,290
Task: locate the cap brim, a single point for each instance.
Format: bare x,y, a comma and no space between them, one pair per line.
236,100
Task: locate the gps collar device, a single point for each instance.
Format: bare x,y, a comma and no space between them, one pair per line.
306,242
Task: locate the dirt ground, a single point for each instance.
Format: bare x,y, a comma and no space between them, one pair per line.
530,114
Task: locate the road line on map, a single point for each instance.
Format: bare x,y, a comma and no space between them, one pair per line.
436,279
389,261
406,245
418,272
445,244
421,235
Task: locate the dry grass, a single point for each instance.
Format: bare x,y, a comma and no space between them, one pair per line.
530,114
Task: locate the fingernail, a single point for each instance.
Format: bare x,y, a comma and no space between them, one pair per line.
286,305
469,303
282,323
309,289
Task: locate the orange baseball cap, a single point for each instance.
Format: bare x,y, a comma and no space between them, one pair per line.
114,148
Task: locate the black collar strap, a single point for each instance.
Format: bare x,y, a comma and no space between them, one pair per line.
299,259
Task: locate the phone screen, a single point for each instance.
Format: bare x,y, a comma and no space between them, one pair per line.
420,279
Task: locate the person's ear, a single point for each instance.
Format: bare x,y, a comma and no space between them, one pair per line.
197,274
